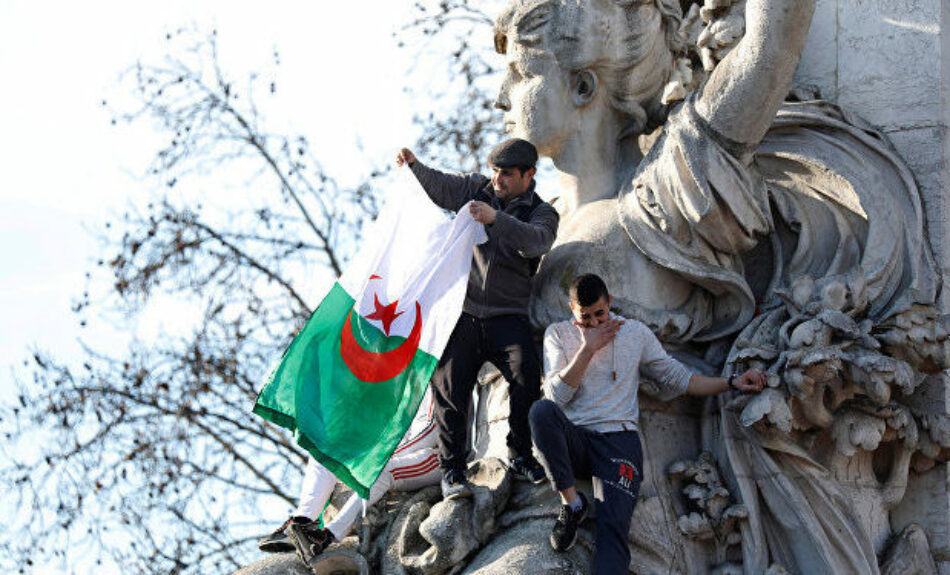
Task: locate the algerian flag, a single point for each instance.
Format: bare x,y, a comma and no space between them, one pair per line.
350,382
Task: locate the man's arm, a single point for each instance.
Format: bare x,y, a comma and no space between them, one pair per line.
448,191
555,358
676,379
752,380
532,238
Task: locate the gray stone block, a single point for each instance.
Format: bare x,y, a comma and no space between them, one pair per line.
819,62
889,65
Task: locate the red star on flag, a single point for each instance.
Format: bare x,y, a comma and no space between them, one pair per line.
385,313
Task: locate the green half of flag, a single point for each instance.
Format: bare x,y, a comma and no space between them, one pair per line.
350,426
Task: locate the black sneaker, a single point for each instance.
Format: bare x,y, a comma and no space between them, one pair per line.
527,468
277,541
308,539
564,533
454,484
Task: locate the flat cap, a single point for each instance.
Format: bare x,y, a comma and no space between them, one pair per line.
513,153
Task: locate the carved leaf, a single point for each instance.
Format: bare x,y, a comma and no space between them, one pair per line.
852,429
840,322
696,526
769,403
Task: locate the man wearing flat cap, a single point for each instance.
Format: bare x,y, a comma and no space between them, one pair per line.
494,323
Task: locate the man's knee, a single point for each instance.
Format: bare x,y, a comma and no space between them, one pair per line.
542,413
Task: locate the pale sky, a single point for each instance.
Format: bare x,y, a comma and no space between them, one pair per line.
66,170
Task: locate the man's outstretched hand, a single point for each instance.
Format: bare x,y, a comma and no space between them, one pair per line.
752,381
405,156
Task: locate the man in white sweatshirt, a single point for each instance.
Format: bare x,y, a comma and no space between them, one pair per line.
586,425
414,465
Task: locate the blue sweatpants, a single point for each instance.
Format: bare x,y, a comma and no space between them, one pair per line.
613,460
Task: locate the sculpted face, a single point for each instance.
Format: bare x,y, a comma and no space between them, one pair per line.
535,94
576,67
535,98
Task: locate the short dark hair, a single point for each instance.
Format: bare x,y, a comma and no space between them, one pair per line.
587,289
523,169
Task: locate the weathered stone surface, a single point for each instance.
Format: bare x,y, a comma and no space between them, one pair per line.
927,151
455,528
524,529
888,61
338,560
524,549
909,553
491,422
280,564
927,503
819,63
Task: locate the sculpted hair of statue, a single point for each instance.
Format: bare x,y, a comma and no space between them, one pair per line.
627,47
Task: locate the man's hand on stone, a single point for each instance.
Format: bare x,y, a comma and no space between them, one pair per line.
481,212
405,156
595,338
752,380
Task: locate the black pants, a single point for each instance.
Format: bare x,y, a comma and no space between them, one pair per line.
505,341
614,460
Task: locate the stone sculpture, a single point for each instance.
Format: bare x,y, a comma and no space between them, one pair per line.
785,235
749,224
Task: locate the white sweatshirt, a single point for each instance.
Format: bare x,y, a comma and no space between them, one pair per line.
606,399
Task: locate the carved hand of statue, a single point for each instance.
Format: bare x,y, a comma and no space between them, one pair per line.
597,337
482,212
405,156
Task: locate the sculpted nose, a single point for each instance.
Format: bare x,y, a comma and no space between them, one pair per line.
501,103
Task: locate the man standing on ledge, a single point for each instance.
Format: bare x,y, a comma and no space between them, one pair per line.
587,425
494,323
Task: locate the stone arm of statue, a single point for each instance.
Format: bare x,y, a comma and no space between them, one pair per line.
748,86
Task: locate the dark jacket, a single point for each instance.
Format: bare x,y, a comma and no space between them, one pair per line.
500,280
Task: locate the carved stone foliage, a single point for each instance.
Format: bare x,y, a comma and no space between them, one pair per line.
712,512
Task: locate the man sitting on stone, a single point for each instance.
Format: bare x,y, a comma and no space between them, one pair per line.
414,465
587,423
494,323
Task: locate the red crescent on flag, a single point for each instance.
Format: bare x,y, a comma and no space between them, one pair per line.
375,367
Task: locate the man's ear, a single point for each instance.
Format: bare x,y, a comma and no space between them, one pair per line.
583,87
